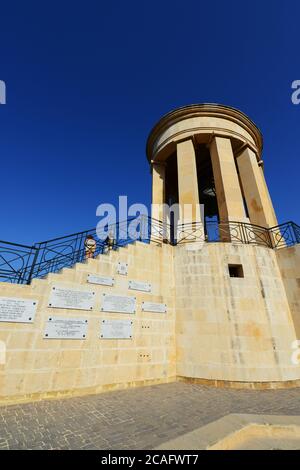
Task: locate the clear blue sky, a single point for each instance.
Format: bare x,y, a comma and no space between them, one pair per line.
86,81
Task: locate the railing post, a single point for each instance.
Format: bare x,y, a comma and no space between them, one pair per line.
37,250
244,233
270,238
296,232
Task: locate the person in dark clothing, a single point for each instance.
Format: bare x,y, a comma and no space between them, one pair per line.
109,242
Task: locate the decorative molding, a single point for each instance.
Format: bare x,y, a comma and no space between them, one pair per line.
208,110
210,130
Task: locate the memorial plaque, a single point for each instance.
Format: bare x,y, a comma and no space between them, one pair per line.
154,307
61,297
14,310
139,285
122,268
66,328
116,329
118,303
102,280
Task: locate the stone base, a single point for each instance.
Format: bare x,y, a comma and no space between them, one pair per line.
12,400
241,385
241,432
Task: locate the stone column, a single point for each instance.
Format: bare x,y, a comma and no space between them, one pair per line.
188,193
228,190
274,217
259,204
187,180
158,190
158,200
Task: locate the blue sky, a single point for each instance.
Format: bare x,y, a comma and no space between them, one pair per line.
86,81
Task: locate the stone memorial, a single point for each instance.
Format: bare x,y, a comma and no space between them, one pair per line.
116,329
154,307
122,268
139,285
16,310
101,280
66,328
61,297
118,303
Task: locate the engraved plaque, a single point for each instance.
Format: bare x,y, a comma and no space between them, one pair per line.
14,310
139,285
61,297
66,328
118,303
154,307
116,329
102,280
122,268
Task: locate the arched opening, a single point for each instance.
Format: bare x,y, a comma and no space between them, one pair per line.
206,187
171,191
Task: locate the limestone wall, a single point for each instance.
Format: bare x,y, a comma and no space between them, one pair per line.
227,328
289,264
217,327
36,367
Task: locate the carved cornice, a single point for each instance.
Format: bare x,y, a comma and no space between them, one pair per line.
205,109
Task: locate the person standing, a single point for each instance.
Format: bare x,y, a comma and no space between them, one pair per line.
90,246
109,241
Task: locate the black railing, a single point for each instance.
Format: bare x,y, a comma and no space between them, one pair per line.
281,236
284,235
213,232
20,263
63,252
16,262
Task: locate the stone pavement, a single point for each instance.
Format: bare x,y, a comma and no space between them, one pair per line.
140,418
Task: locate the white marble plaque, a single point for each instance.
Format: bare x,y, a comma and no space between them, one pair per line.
118,303
139,285
116,329
61,297
15,310
122,268
154,307
102,280
66,328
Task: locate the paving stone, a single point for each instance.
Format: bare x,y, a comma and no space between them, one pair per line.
140,418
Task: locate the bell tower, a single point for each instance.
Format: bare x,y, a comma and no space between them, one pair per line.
236,298
209,154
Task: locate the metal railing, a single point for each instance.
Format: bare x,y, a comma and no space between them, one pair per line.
16,262
233,232
20,263
283,235
62,252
